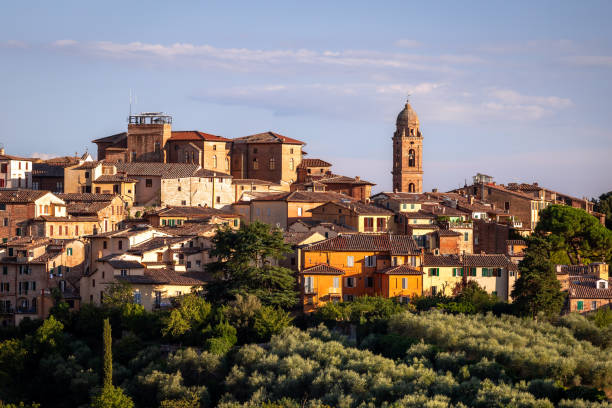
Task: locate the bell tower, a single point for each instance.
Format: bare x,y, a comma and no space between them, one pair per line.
407,153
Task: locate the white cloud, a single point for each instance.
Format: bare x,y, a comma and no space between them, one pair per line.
406,43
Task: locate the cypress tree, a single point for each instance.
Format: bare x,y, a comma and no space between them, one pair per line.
108,354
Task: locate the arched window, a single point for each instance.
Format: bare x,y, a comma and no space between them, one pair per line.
411,158
226,164
255,164
193,158
291,164
157,147
214,162
272,164
411,188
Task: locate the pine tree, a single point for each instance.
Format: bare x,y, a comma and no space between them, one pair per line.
108,354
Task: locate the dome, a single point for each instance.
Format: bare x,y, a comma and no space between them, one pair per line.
407,118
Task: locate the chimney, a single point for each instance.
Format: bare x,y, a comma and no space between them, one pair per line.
2,150
434,190
471,199
356,178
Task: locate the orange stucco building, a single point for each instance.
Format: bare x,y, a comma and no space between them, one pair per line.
351,265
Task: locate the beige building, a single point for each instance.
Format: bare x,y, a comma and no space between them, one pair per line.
30,269
356,215
99,177
211,152
267,156
15,172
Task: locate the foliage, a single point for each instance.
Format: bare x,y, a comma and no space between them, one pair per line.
364,309
223,338
602,317
603,204
108,354
269,321
190,315
588,329
111,397
118,294
576,233
537,290
245,266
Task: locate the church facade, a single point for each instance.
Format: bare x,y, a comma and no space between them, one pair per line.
407,153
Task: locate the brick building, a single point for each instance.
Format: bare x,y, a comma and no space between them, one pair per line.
209,151
19,207
407,152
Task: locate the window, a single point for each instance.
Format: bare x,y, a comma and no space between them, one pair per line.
149,183
86,174
336,282
158,298
299,211
593,305
308,284
381,224
349,282
214,162
291,151
411,188
179,188
368,224
214,147
226,164
370,261
124,272
466,236
349,298
580,305
369,282
507,205
404,283
350,261
51,230
120,244
255,150
255,164
434,271
69,251
394,261
2,207
472,272
218,199
5,270
272,164
104,244
137,298
411,158
291,164
434,290
157,147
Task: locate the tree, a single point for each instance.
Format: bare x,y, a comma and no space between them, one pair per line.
576,233
110,396
537,289
245,266
604,205
191,314
117,295
269,321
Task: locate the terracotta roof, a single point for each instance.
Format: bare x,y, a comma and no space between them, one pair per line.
338,179
20,196
304,196
85,197
515,193
587,289
117,137
400,270
322,269
81,208
447,233
211,173
423,226
163,170
88,165
196,135
155,243
9,157
61,162
313,163
295,238
26,242
441,260
164,276
125,264
191,229
404,197
357,207
65,219
114,178
489,260
421,214
395,244
267,137
201,212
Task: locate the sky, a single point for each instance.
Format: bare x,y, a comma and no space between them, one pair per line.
518,90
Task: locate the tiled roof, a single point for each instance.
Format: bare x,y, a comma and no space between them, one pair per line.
400,270
88,165
489,260
447,233
85,197
164,276
62,162
304,196
443,210
163,170
421,214
404,197
515,242
125,264
322,269
20,196
587,289
357,207
50,218
310,223
112,138
513,192
267,137
196,135
191,212
210,173
338,179
395,244
47,170
26,242
295,238
114,178
191,229
313,163
423,226
9,157
155,243
441,260
81,208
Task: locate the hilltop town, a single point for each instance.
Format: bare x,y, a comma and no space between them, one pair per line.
145,210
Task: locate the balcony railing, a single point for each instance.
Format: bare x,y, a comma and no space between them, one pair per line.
334,291
310,291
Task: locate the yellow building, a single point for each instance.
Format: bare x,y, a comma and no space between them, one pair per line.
99,177
351,265
354,214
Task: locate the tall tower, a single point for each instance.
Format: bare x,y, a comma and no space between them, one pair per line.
147,135
407,153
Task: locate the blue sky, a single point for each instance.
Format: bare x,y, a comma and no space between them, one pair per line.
518,90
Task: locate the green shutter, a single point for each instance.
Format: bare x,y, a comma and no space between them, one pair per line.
437,271
580,305
454,271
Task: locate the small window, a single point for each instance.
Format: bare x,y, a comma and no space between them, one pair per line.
580,305
350,261
149,183
124,272
104,245
370,261
272,164
593,305
466,236
336,282
69,251
255,164
120,244
350,282
369,282
404,283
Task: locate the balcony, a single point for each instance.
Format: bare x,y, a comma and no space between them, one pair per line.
310,291
334,291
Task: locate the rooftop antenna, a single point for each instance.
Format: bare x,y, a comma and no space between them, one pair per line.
133,99
408,95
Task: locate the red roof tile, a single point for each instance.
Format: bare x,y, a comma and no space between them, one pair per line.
196,135
267,137
322,269
395,244
400,270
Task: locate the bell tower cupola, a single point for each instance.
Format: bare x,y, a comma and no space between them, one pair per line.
407,152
